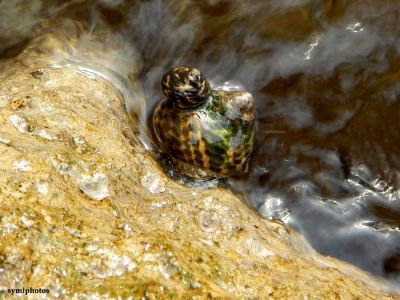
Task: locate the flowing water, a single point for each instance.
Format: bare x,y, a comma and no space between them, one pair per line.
325,77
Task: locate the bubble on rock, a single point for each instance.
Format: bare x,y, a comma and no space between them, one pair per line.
7,226
207,242
26,222
216,218
127,228
195,285
91,248
153,182
149,257
168,270
222,284
42,187
160,204
4,141
43,134
78,140
254,246
75,232
19,123
57,290
4,100
22,166
111,264
210,221
94,186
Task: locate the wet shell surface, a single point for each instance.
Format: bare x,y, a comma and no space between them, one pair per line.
206,133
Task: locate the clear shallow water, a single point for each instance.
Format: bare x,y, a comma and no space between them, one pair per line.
325,76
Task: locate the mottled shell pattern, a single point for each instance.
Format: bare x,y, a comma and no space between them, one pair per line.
187,87
206,133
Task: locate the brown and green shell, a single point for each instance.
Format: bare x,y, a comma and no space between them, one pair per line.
213,141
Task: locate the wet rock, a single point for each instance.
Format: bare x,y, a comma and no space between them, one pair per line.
149,237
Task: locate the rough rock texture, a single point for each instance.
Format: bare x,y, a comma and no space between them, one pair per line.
87,212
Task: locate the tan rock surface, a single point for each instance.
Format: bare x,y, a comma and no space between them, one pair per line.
87,212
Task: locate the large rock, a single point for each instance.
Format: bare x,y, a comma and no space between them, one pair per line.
87,212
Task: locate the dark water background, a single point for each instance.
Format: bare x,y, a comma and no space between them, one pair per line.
325,76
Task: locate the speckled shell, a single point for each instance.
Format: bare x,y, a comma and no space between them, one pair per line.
215,140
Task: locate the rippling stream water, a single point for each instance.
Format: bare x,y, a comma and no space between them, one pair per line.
325,76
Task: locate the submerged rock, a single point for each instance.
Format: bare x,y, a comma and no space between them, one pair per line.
149,237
